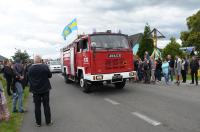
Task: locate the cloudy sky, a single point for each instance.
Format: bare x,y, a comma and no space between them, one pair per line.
36,25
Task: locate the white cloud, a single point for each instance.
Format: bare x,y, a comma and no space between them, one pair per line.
36,25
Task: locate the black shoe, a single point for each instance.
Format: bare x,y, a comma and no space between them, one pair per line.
50,124
196,84
191,83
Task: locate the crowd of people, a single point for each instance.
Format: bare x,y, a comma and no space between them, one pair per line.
151,71
18,76
15,74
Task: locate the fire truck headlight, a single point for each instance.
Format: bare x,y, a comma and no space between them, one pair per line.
131,74
99,77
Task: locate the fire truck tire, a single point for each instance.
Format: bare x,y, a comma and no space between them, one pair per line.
120,85
87,88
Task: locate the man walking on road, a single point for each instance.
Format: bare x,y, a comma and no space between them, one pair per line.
39,75
194,66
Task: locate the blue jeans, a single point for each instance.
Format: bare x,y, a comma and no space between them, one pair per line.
166,76
17,96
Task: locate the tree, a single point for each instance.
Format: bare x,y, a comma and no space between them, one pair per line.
146,43
192,37
173,49
22,55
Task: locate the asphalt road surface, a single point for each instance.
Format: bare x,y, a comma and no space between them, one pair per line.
137,108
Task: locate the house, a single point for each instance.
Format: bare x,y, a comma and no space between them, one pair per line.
134,40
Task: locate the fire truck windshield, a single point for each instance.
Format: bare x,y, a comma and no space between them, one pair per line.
109,42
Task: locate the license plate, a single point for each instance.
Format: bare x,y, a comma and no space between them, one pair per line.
117,78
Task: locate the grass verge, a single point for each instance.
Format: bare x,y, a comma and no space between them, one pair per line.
15,122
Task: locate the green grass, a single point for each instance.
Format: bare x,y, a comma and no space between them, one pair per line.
189,77
15,122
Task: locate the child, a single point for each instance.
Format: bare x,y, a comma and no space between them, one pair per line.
4,113
165,70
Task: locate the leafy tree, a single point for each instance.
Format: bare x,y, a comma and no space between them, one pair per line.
22,55
192,37
146,43
173,49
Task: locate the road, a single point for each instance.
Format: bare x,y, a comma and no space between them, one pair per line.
137,108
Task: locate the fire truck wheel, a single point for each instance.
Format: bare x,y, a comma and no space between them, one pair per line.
81,82
120,85
87,87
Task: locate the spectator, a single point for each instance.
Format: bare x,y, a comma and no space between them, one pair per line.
177,69
146,55
184,69
8,74
1,67
136,62
4,113
28,65
18,87
147,71
171,67
158,69
39,75
194,66
153,68
165,70
193,52
140,70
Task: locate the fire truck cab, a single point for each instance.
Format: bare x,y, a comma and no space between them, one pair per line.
95,59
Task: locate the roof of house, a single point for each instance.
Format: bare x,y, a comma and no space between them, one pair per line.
134,39
2,58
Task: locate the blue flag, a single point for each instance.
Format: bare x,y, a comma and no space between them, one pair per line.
70,28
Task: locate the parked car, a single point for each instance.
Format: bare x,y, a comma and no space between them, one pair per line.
54,66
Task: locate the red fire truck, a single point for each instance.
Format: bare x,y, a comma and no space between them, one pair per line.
98,58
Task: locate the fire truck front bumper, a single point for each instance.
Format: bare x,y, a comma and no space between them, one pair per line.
113,77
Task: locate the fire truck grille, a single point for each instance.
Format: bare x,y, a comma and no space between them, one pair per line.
114,64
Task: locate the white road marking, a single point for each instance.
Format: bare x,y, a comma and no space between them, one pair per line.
111,101
147,119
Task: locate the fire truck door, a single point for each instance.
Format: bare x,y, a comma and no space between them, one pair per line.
85,53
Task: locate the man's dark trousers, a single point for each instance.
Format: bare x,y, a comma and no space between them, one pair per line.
194,74
38,99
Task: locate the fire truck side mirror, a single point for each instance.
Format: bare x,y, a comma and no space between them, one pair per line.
93,45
